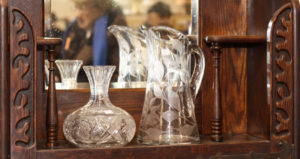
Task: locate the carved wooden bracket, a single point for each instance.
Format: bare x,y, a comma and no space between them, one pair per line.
22,51
280,75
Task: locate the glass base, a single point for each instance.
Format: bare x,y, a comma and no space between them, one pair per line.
91,127
106,145
69,83
170,140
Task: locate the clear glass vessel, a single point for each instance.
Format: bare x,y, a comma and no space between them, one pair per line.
99,123
168,115
46,67
68,70
133,55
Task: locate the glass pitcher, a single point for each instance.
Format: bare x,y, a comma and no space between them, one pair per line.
133,55
168,115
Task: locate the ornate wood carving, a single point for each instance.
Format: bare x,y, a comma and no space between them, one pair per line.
280,61
22,50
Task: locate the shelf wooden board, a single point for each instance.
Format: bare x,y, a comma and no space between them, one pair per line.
235,39
237,144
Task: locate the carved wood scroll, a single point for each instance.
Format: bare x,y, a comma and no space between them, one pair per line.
22,85
280,79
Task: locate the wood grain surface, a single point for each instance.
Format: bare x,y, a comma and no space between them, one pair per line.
232,144
219,18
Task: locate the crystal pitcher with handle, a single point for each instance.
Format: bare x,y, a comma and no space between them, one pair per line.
133,55
168,115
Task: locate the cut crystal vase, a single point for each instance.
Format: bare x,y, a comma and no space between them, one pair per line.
99,123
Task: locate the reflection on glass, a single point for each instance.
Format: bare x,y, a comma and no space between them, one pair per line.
47,8
193,28
86,38
46,67
133,55
68,70
83,25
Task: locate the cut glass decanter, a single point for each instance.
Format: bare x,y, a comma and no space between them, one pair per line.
99,123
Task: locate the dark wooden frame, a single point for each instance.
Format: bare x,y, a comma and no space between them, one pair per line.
296,68
23,98
4,85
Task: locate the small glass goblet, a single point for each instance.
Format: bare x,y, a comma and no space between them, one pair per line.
68,70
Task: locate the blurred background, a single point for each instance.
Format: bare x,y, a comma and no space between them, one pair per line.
135,12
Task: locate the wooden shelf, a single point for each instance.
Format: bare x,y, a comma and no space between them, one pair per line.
238,144
48,41
235,39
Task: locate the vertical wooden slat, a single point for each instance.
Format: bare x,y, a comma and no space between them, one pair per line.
296,38
4,107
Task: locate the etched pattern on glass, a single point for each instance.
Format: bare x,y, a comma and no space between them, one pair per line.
168,114
99,123
133,55
68,70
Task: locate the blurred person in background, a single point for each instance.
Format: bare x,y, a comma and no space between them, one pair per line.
87,37
54,31
159,14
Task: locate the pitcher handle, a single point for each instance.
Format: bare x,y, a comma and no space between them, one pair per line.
198,71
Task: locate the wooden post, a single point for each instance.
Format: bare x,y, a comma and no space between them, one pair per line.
216,121
52,116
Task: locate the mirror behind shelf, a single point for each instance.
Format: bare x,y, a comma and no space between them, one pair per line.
83,26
